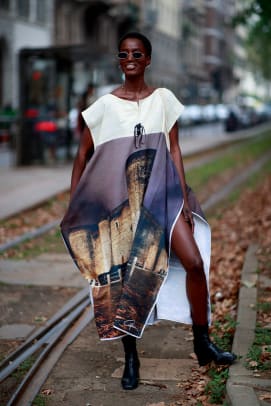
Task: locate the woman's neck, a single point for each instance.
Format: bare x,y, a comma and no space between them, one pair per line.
134,86
134,89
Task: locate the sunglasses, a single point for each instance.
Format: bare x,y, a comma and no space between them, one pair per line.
125,54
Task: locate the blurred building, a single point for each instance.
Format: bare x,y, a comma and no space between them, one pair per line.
248,83
219,39
92,28
161,21
194,76
23,23
99,24
206,54
192,44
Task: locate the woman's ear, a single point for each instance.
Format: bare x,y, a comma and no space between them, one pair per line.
148,61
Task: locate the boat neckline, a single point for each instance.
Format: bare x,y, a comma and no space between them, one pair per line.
135,101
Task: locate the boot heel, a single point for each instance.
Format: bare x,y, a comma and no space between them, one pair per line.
206,351
202,360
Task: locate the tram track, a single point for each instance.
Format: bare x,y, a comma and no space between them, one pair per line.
214,199
50,341
193,157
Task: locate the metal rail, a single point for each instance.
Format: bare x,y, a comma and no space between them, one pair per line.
49,342
52,339
37,375
240,136
31,234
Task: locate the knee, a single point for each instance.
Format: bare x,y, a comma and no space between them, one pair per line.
195,266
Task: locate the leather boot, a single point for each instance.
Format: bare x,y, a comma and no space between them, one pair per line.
206,351
130,377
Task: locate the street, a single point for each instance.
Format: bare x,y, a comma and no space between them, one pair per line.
8,156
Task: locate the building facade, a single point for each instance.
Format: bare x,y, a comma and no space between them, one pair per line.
99,24
160,20
23,24
194,76
194,44
219,47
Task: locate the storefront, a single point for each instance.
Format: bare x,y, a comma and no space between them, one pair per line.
52,82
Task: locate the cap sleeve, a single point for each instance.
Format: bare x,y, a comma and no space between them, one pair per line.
93,115
173,108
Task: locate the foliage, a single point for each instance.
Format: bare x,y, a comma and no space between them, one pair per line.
216,386
39,400
259,354
233,158
222,332
23,368
256,16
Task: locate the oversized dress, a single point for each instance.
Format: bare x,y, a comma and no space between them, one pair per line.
119,223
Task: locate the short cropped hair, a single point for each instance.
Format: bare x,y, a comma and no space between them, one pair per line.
146,42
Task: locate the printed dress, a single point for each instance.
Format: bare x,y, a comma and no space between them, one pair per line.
119,223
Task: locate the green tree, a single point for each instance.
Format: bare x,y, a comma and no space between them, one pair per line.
256,16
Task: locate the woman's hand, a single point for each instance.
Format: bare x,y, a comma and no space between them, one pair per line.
188,216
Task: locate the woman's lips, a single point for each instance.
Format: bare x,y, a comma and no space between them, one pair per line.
130,66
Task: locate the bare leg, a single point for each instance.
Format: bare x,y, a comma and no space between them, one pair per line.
186,249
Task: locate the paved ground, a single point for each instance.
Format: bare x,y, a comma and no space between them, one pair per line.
244,386
89,372
26,187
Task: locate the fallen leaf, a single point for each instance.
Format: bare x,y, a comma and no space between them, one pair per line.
47,392
249,284
266,396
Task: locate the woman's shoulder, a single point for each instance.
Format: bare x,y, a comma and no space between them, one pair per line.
169,96
165,91
99,103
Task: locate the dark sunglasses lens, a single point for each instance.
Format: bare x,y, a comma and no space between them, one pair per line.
137,55
122,55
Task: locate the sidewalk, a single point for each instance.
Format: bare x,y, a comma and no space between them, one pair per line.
243,385
25,187
89,371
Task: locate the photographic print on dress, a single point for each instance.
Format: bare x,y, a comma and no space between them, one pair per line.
102,251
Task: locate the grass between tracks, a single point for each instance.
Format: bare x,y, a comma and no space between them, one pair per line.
239,156
204,180
259,355
235,157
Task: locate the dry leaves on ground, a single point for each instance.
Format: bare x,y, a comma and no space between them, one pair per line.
31,219
246,221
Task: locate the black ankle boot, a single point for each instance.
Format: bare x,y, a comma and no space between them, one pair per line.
130,377
206,351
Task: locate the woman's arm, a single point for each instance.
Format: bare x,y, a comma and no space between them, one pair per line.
176,154
84,153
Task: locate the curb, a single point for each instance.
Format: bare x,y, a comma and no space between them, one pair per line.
241,382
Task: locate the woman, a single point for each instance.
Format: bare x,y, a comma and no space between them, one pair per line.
129,226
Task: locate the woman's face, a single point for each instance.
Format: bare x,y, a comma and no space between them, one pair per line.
132,66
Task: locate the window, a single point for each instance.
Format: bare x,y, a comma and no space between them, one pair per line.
41,11
23,8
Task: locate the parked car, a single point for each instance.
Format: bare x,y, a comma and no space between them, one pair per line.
191,115
222,112
208,113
